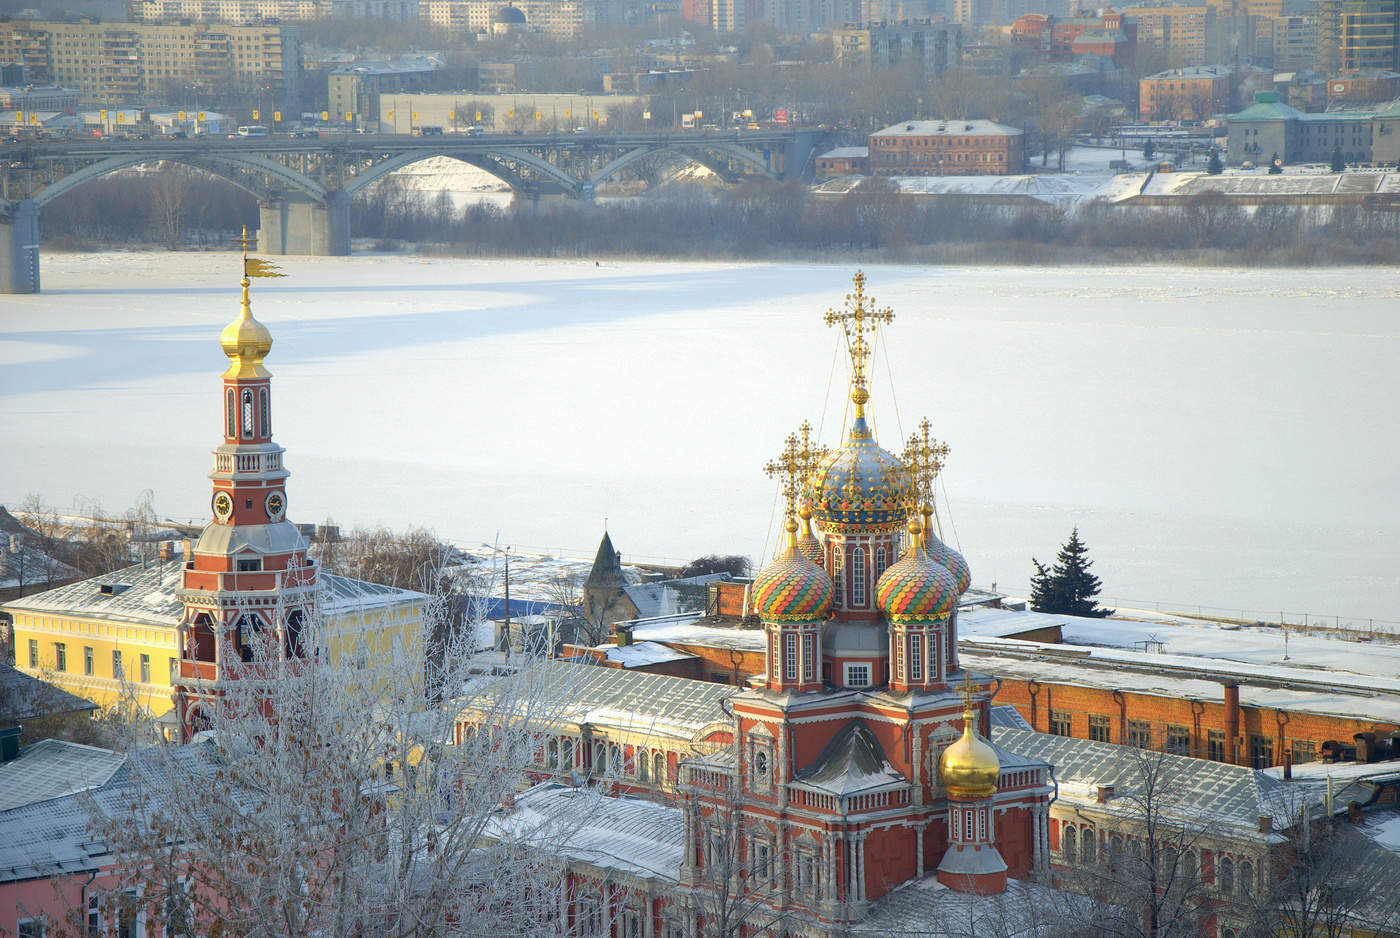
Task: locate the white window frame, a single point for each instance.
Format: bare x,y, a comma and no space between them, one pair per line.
864,669
790,656
809,656
38,922
858,577
916,656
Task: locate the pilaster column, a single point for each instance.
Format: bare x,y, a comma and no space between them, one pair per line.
919,848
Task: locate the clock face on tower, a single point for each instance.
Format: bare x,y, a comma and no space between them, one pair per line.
223,506
276,505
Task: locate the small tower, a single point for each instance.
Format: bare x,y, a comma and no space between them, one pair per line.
792,595
249,589
970,771
917,598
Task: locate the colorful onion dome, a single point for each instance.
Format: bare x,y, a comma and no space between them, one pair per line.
944,556
860,488
915,589
970,767
792,588
807,541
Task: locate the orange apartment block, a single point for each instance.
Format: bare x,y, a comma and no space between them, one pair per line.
1184,94
1184,32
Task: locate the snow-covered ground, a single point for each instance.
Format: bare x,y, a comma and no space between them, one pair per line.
1221,437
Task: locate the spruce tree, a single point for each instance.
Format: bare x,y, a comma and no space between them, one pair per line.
1148,150
1214,167
1338,163
1068,587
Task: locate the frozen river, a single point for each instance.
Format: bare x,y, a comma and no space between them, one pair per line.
1221,437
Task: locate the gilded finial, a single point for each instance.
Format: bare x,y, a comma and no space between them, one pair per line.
788,468
246,341
967,696
924,457
915,541
859,320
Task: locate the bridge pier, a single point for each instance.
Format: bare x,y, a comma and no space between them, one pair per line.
295,223
19,248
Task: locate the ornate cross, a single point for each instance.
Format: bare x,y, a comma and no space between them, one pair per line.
789,467
858,321
924,456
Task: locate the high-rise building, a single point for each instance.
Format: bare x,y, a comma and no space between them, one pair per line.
934,47
1185,33
114,63
1367,34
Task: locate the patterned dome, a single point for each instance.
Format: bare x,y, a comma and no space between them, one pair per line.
860,488
943,555
916,590
792,589
807,541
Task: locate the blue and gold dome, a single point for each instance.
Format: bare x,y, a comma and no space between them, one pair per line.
860,488
792,588
915,589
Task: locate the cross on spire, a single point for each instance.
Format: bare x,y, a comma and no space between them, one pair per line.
924,456
809,454
789,467
859,321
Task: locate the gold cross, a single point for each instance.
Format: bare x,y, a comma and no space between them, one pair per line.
809,452
244,242
789,466
924,457
859,319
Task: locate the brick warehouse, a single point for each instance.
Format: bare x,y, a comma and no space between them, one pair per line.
947,148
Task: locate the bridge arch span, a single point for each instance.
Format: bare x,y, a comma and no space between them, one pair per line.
219,166
700,152
495,162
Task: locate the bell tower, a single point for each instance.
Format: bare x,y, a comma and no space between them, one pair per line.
249,589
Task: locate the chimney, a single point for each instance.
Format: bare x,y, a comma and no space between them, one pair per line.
1105,793
9,743
189,551
1287,764
1266,823
1354,812
167,550
622,634
1232,723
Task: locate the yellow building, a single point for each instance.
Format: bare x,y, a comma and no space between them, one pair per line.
117,634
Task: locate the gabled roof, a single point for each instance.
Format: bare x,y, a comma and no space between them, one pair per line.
1267,111
52,768
23,698
851,762
1205,793
147,595
607,567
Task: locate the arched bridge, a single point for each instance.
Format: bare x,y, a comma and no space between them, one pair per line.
304,186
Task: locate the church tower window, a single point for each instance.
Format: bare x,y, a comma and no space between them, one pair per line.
858,577
880,562
232,413
916,657
247,413
838,578
790,656
266,412
809,657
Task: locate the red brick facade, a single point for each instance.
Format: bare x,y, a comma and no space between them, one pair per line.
947,148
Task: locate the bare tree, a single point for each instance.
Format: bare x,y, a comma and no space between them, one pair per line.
1145,871
331,799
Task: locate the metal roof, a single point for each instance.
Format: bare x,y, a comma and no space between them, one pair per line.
52,768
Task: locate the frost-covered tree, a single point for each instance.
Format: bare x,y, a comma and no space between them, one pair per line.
334,797
1213,166
1068,587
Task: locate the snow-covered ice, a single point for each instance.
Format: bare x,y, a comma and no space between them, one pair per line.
1221,437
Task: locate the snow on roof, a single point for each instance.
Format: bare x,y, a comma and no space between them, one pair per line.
52,768
1263,184
697,631
23,697
927,907
147,595
536,578
948,128
636,701
640,654
1202,792
668,597
845,153
619,833
1004,623
851,762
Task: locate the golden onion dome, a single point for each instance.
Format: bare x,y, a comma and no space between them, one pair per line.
970,768
792,588
246,342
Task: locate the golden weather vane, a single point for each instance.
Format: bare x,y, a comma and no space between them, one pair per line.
859,320
255,266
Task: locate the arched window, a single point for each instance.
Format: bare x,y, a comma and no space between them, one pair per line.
658,768
838,578
1089,846
552,754
1225,875
566,761
232,397
858,577
247,413
916,657
265,412
600,758
1246,878
760,767
643,764
880,562
615,759
1069,845
790,656
295,624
